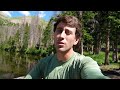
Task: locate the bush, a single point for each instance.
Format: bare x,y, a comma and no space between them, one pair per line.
32,50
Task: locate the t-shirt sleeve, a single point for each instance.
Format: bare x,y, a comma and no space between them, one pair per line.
91,70
37,71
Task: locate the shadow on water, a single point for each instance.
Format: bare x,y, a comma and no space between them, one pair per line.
13,65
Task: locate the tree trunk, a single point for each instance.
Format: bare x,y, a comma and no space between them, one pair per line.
107,49
113,54
92,46
116,49
81,48
97,41
80,14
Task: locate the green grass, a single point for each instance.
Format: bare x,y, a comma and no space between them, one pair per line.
100,58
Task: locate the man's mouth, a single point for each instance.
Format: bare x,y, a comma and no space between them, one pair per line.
60,43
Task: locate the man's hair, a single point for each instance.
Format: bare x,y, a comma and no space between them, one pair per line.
71,21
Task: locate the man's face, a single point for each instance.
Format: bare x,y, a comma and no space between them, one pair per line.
64,37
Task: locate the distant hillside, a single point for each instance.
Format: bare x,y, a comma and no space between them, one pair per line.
20,20
26,19
2,15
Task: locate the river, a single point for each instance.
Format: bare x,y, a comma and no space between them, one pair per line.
14,65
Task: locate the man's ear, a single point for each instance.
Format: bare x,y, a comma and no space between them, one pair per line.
77,40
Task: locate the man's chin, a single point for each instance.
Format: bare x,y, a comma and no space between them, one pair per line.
60,50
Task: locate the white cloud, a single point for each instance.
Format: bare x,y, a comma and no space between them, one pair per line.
58,12
42,14
6,13
26,13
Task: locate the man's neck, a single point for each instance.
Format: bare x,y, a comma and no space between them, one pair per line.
64,56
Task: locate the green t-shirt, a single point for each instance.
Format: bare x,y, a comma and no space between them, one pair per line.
76,67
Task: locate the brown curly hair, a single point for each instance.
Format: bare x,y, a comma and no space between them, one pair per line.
71,21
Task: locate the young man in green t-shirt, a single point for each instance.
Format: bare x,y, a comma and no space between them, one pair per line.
66,63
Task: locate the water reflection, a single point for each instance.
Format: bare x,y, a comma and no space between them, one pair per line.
14,64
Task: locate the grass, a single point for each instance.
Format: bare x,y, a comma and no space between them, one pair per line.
100,60
97,57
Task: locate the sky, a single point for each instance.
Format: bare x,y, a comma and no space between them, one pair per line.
43,14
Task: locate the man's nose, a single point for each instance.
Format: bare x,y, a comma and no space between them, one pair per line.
62,35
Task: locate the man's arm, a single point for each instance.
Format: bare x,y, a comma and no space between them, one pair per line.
91,70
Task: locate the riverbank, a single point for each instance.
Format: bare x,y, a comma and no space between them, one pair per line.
112,70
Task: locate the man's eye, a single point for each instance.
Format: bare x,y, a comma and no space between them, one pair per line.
59,30
67,32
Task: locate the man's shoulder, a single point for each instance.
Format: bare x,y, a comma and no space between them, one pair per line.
83,58
88,61
79,56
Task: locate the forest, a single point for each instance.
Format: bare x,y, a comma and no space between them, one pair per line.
100,39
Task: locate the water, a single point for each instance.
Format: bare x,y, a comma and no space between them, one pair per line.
14,65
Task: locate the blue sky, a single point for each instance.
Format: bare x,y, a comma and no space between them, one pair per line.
44,14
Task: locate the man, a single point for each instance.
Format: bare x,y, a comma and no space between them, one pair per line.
66,63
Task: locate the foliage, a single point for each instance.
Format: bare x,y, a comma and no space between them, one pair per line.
41,51
8,45
87,37
48,32
32,50
4,22
25,38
